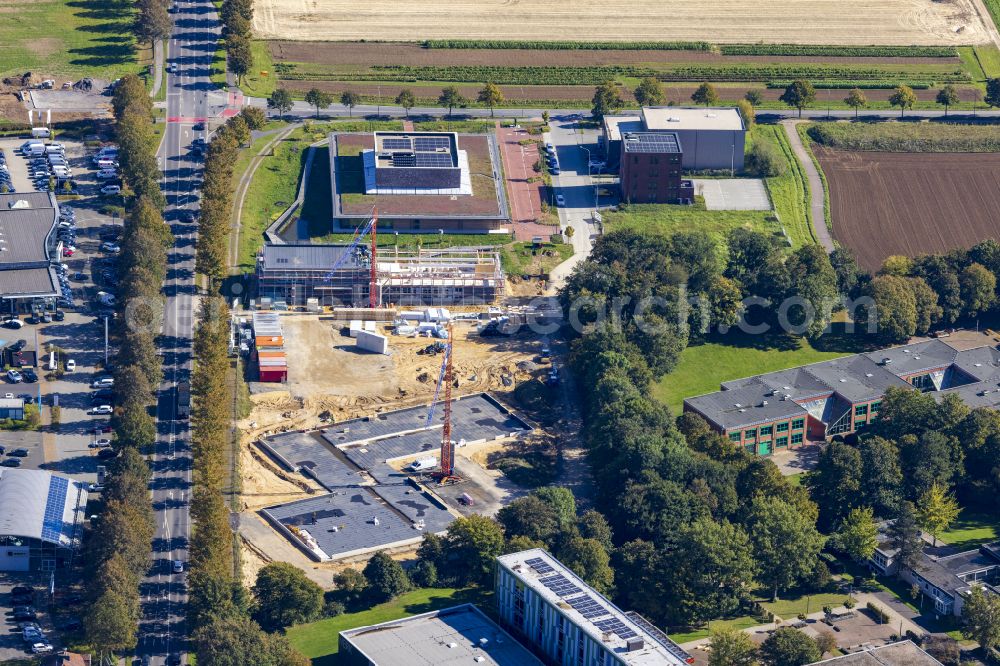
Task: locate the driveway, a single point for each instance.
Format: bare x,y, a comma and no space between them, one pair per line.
733,193
815,185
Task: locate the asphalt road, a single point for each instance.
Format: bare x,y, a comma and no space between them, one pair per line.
162,631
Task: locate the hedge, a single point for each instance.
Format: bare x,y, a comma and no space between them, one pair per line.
564,45
838,51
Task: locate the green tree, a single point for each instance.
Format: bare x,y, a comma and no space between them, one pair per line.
799,94
606,100
152,22
385,576
590,561
237,641
785,543
815,283
856,99
254,117
491,96
649,92
981,618
789,647
946,97
904,536
593,525
731,647
531,517
407,100
978,285
285,596
895,309
937,510
714,570
239,129
561,499
993,92
705,94
881,476
451,98
754,96
858,534
239,56
747,113
903,97
215,597
321,99
472,545
350,99
835,483
929,312
110,625
281,101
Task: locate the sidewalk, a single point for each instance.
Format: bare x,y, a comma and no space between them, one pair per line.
815,185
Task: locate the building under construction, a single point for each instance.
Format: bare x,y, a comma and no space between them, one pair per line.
291,274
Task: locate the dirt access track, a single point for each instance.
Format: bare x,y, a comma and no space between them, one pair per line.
883,204
848,22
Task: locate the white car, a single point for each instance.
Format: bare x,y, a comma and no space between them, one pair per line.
101,409
41,648
173,68
103,382
560,200
107,174
102,443
104,298
70,365
114,248
111,189
178,566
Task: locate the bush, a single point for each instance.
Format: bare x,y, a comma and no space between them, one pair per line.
943,649
424,574
764,161
878,612
333,609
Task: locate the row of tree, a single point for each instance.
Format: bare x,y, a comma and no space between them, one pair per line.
281,99
237,21
118,547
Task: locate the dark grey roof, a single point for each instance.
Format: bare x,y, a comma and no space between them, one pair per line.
855,378
911,359
26,223
904,653
301,257
744,406
651,142
27,282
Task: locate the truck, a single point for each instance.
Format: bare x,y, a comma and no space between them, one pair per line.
183,400
423,464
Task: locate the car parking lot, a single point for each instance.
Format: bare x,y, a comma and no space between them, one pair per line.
68,347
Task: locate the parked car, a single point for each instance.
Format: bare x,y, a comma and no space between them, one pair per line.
59,315
14,377
18,346
19,453
103,382
107,453
28,375
41,648
11,462
70,365
109,190
114,248
560,200
13,323
101,410
178,566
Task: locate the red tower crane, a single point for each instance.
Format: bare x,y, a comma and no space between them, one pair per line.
447,473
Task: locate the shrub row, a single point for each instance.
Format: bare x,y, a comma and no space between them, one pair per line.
838,51
907,137
878,612
565,45
864,85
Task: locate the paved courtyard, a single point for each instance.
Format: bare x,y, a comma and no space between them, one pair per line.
733,193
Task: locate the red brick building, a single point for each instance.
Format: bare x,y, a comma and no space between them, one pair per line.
651,169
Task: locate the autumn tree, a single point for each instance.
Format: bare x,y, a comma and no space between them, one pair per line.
649,92
406,99
799,94
451,98
856,99
607,99
705,94
903,97
937,510
491,96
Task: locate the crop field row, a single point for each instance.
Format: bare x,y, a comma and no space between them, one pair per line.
810,50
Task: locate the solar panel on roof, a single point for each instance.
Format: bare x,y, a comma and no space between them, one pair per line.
396,144
52,522
431,142
433,159
403,160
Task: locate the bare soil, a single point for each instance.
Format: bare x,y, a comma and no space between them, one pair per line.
854,22
884,204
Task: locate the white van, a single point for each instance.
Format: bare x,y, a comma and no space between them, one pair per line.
52,361
105,164
34,150
41,132
424,464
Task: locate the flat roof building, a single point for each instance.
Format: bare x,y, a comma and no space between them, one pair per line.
458,635
783,409
420,182
41,519
553,610
651,169
28,249
902,653
713,138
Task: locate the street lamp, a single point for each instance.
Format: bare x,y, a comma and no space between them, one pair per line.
590,175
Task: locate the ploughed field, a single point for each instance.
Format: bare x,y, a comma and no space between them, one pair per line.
856,22
883,204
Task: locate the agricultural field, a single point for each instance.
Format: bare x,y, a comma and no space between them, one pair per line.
883,203
901,22
380,70
68,39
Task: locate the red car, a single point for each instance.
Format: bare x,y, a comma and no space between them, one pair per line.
68,252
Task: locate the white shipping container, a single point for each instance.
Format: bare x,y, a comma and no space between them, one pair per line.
370,326
373,342
355,327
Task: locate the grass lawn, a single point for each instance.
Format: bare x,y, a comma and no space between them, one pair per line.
790,608
159,126
989,59
69,39
702,367
789,191
519,258
318,640
738,623
260,80
218,72
972,529
272,189
670,219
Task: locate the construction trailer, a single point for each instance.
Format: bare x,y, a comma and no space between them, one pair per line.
269,347
452,276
